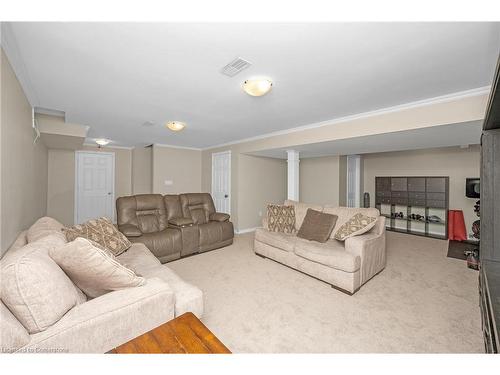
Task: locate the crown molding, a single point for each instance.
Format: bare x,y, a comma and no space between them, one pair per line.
179,147
416,104
11,49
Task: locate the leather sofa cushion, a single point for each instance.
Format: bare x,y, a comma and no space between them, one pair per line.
214,232
198,215
194,201
279,240
130,230
163,243
317,226
173,206
331,253
145,211
34,288
93,269
219,216
101,231
181,221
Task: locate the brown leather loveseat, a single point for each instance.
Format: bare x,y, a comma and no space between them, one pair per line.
174,226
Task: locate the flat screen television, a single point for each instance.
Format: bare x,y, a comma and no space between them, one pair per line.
472,187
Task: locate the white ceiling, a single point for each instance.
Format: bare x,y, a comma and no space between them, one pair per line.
462,134
116,76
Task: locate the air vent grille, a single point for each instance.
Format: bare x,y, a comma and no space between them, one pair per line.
235,66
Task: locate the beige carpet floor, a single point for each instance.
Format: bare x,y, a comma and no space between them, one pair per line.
422,302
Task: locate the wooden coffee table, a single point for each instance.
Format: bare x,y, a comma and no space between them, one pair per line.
185,334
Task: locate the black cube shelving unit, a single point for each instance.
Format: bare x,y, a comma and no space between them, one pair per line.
420,195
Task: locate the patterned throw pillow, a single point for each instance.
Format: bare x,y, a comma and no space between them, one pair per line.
356,225
280,218
101,231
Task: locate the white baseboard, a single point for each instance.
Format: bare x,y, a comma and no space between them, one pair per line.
248,230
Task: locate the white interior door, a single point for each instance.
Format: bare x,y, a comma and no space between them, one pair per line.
353,181
95,185
221,181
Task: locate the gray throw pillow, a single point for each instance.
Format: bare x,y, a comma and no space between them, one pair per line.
317,226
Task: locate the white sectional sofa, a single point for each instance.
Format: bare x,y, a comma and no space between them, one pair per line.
100,324
346,265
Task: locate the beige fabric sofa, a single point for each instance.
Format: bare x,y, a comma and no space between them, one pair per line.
100,324
345,265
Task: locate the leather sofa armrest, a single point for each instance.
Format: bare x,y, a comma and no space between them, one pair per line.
181,222
130,230
219,216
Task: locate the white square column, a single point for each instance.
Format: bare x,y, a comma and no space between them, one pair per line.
293,174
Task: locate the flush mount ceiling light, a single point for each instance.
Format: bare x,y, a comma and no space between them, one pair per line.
102,141
175,126
257,87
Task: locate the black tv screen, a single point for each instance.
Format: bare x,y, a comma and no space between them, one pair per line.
472,187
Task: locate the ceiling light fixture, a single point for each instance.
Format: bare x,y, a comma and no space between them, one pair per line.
102,142
175,126
257,87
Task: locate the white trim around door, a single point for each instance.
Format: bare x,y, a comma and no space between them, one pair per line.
110,211
221,184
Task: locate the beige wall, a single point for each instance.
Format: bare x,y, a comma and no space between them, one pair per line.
61,180
23,164
142,173
319,180
454,162
260,181
181,166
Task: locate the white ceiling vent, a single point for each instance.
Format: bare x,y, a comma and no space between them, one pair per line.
235,66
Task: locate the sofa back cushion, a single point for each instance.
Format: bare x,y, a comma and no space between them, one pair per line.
12,333
301,211
34,288
145,211
346,213
43,227
197,206
93,269
173,206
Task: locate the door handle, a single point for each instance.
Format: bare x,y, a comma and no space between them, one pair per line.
109,193
226,196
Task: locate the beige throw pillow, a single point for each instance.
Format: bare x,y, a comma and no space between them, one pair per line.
280,218
317,226
34,288
101,231
93,268
356,225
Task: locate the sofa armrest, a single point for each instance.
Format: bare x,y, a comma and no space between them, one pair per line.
181,222
130,230
219,216
110,320
370,247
